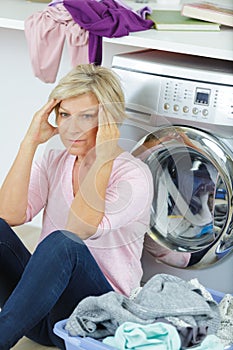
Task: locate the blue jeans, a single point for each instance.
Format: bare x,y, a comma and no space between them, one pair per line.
40,289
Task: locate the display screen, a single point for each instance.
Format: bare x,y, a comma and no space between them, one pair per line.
202,96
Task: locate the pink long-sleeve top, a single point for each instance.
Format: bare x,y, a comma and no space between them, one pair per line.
46,33
118,242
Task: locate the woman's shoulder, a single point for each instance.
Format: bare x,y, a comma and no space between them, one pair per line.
127,158
128,169
128,163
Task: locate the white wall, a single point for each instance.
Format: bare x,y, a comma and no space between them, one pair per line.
21,94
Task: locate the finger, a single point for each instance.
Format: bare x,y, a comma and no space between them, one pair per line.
55,131
107,117
48,108
101,116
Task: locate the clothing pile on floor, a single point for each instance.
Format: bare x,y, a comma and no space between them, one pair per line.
167,311
82,25
225,331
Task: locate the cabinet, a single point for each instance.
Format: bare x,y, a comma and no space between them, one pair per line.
208,44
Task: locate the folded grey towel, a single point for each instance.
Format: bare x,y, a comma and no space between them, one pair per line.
163,296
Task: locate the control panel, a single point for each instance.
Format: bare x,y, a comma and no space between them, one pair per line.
197,101
186,88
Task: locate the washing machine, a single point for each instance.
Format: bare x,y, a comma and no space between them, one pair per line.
180,123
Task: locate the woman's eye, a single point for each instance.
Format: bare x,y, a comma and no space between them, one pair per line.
87,116
63,115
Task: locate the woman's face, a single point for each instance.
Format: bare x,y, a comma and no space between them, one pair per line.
77,122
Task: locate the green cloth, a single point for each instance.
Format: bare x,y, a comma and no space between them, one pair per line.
155,336
134,336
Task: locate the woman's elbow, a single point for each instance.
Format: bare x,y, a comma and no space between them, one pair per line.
12,219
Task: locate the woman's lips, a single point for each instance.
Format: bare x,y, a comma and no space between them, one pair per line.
77,141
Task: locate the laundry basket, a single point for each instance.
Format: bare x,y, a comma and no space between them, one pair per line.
217,296
78,343
87,343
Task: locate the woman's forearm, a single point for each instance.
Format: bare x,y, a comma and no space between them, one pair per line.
14,191
87,209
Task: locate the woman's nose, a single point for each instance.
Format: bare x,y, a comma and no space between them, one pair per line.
75,124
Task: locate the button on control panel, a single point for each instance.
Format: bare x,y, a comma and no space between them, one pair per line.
195,110
205,112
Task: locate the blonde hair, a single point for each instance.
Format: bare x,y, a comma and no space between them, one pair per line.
101,81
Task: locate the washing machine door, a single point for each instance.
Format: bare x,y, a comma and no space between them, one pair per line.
192,206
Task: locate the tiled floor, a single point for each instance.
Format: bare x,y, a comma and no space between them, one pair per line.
26,344
30,236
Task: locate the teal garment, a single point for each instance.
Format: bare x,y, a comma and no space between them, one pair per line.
155,336
211,342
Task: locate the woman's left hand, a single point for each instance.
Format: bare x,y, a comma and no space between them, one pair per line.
107,136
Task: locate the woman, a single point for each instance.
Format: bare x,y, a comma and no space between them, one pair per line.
96,202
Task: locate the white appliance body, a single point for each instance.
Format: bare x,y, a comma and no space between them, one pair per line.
163,89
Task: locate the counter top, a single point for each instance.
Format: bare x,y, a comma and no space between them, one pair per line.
209,44
212,44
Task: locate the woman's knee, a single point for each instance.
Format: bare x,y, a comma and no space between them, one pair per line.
6,232
3,224
63,240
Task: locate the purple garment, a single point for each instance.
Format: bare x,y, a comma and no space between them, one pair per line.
143,12
106,18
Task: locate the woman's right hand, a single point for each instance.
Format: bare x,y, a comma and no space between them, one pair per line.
40,130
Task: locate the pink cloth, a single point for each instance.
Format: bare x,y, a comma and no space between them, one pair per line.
165,255
118,242
46,32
